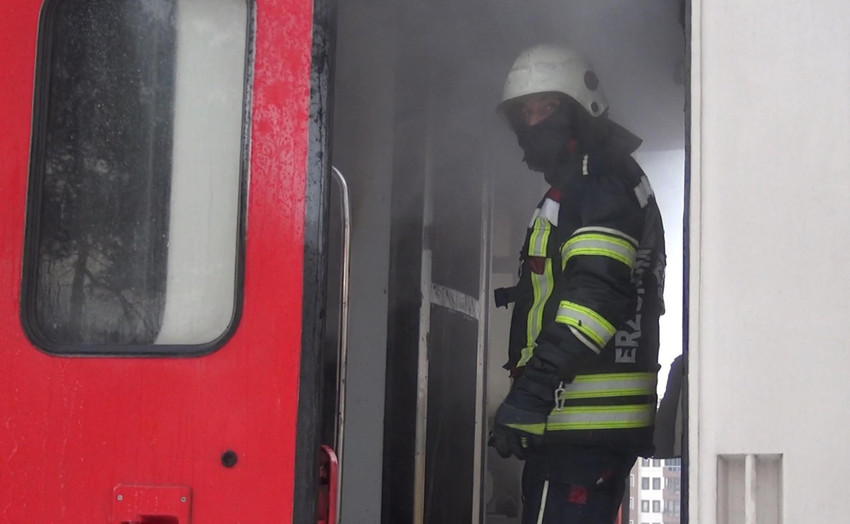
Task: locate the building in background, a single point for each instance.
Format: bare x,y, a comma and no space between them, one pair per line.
656,492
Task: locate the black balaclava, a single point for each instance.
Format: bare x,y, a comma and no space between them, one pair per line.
555,146
546,144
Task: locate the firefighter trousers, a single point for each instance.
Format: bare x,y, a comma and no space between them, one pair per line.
574,485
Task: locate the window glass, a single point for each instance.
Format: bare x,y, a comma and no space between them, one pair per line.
133,223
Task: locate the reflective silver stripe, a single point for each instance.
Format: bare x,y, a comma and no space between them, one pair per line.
599,245
610,385
587,321
550,210
601,417
539,238
542,285
584,340
643,191
607,231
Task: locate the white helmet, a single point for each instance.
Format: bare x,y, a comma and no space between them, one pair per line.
549,68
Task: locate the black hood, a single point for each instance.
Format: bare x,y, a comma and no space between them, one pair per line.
603,141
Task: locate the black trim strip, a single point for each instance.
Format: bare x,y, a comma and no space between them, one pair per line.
630,400
315,263
686,17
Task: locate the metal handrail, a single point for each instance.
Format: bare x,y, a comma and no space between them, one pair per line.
342,360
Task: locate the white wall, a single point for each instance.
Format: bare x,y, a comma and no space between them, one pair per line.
769,284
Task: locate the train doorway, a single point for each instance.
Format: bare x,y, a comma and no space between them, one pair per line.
439,204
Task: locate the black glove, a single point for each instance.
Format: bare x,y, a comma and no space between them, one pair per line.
520,421
557,357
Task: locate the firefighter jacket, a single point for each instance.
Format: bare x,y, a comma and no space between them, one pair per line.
593,262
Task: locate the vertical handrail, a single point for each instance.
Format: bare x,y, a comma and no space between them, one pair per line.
342,360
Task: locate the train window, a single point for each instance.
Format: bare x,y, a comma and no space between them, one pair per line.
134,221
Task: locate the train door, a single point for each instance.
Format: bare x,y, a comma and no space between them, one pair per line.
162,260
439,203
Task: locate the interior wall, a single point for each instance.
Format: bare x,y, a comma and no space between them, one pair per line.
768,278
363,151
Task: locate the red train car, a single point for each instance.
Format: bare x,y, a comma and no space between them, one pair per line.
163,190
174,294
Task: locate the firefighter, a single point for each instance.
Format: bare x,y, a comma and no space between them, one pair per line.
583,347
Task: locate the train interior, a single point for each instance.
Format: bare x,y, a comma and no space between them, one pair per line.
439,201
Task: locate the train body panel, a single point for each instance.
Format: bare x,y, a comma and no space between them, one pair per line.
222,424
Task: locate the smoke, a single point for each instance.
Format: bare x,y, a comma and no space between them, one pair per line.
416,89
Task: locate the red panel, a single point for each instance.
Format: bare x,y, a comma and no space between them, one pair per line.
151,505
71,429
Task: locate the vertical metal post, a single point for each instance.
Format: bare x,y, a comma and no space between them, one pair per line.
420,443
479,463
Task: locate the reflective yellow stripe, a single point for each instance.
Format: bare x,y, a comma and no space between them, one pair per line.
539,239
608,231
599,245
588,322
610,385
601,417
525,355
534,429
542,285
